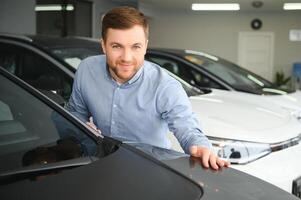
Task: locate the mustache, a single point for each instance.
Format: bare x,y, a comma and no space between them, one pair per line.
126,62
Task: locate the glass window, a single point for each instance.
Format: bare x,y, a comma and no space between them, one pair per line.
238,78
185,72
35,70
31,133
73,56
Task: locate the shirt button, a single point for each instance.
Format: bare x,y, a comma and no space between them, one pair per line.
114,105
113,122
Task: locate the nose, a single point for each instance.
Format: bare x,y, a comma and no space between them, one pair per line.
127,55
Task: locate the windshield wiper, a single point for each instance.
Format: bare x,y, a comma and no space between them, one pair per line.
35,170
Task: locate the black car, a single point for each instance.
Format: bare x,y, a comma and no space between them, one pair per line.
49,63
206,70
45,153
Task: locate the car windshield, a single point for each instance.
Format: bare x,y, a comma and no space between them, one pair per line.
34,134
189,89
240,79
74,55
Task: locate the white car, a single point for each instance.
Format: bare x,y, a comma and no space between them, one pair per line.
257,137
276,136
289,101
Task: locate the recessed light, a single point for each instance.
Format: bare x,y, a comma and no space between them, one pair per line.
215,6
292,6
53,7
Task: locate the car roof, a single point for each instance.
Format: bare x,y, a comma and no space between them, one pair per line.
49,42
167,50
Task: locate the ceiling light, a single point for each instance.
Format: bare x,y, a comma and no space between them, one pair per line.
215,6
292,6
53,7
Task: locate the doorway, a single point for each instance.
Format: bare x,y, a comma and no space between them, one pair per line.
256,52
72,18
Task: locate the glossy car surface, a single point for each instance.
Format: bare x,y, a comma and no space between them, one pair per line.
48,154
248,131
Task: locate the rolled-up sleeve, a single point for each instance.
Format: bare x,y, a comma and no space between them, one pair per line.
76,104
175,108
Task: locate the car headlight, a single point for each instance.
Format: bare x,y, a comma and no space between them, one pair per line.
239,152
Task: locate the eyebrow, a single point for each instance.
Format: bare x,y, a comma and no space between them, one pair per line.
116,43
137,44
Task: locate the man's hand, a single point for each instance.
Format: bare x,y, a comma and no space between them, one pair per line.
208,158
92,125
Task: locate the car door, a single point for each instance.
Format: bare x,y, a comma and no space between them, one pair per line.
35,67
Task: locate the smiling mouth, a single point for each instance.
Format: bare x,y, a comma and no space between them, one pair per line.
126,67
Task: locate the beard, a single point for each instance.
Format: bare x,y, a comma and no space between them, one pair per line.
124,71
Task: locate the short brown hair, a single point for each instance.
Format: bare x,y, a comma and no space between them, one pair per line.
123,18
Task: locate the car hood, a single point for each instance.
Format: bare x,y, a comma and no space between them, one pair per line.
232,115
227,183
125,174
291,101
131,174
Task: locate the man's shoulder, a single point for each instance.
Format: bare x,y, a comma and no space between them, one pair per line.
94,60
92,64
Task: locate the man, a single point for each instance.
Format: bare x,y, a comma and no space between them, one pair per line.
132,99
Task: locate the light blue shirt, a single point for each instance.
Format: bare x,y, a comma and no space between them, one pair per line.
140,110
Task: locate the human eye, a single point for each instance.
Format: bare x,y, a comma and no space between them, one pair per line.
116,46
137,47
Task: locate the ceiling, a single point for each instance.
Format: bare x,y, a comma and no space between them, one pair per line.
245,5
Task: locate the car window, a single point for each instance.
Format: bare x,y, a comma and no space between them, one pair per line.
32,133
35,70
185,72
237,77
73,56
228,74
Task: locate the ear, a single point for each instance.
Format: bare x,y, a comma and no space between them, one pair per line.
103,45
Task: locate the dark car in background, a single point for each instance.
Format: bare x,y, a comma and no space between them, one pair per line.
38,60
207,70
45,153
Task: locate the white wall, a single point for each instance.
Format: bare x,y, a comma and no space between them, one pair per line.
217,33
101,7
17,16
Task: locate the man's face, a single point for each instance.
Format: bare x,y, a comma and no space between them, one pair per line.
125,50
